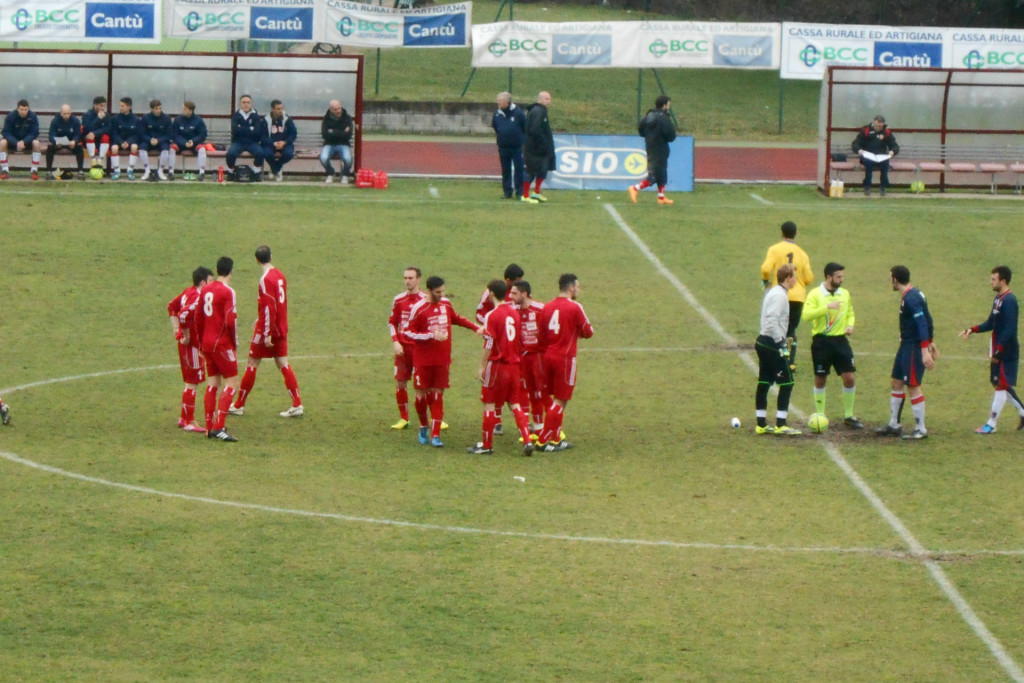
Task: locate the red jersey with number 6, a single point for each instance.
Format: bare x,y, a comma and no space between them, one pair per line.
273,306
562,322
216,318
502,327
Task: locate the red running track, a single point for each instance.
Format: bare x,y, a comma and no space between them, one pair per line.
481,159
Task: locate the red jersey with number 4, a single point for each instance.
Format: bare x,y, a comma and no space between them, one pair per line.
424,319
530,327
400,308
216,317
183,302
562,322
502,327
273,306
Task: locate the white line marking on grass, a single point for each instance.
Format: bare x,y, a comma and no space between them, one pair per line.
916,549
759,198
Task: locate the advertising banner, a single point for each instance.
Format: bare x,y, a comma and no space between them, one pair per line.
69,21
807,49
355,23
284,20
614,162
629,44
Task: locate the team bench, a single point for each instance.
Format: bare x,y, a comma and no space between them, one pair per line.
946,160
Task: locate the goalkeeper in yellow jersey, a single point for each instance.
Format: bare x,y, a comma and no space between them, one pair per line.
781,253
830,312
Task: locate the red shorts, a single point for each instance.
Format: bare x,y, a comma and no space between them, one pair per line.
531,373
501,383
223,363
403,365
560,376
103,138
257,349
430,377
191,360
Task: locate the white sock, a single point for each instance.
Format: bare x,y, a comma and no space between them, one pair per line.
202,159
131,161
144,155
115,162
918,410
998,401
90,147
895,402
104,146
164,155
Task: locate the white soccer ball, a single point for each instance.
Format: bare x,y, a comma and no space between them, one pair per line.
735,422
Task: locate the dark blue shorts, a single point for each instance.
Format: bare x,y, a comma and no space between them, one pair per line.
909,366
1004,374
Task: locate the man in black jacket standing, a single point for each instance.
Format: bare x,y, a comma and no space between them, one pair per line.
336,130
539,150
657,131
876,144
509,124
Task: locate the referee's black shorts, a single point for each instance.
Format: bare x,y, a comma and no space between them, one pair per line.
831,351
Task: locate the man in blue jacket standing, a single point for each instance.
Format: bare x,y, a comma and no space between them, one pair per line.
21,132
509,124
280,134
65,133
189,135
246,136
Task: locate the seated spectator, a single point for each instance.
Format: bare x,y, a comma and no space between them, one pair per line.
125,133
20,133
336,130
156,134
96,128
65,133
246,136
189,135
280,134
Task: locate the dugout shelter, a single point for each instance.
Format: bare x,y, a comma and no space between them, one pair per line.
956,128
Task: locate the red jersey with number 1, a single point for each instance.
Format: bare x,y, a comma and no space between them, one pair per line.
562,322
273,306
502,327
216,318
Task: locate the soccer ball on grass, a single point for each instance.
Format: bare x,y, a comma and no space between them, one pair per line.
96,173
817,423
917,187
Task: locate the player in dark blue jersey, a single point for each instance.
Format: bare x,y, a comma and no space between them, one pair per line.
1004,349
917,352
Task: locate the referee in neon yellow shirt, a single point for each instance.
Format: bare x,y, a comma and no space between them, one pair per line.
830,312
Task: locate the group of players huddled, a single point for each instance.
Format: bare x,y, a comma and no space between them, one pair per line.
203,321
528,361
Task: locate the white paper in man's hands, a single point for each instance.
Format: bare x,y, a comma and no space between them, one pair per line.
877,158
62,140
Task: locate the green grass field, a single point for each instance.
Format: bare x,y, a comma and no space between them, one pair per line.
665,546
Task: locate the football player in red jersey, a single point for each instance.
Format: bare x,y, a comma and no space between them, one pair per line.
430,328
217,317
270,336
562,322
499,369
512,273
532,392
189,355
404,348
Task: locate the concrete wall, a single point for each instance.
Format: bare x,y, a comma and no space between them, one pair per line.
441,118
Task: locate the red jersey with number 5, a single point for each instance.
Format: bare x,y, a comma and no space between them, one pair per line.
502,327
562,322
273,305
216,317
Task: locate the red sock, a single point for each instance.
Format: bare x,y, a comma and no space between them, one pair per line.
222,407
537,404
645,184
526,188
292,385
523,422
536,186
421,409
210,405
436,401
402,399
552,424
188,405
661,190
489,423
248,382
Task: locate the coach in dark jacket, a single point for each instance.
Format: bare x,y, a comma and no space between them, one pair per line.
539,150
876,138
509,123
336,131
247,135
